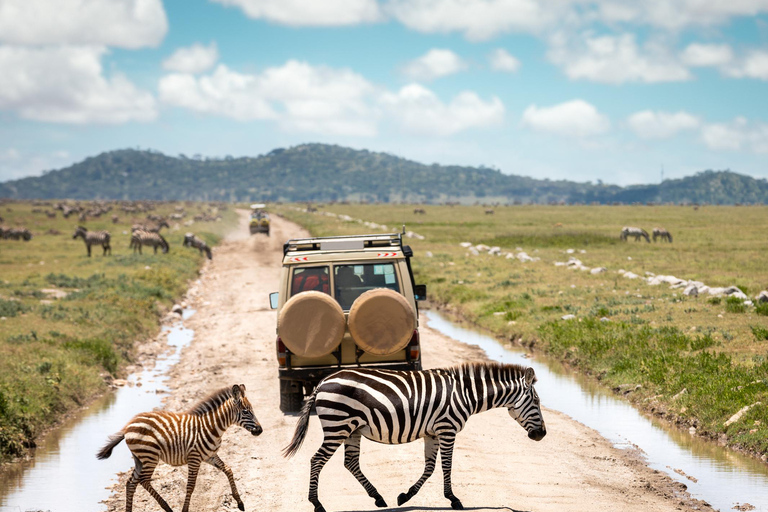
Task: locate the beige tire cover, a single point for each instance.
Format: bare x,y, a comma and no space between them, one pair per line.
311,324
381,321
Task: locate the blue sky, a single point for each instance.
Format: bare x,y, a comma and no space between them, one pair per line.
583,90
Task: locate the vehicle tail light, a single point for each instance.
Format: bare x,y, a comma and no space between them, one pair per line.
282,352
413,346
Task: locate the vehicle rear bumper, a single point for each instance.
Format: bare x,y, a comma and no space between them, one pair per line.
313,375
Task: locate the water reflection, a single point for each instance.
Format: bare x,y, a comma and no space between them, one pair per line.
725,478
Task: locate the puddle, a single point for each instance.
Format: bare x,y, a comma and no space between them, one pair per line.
725,478
64,475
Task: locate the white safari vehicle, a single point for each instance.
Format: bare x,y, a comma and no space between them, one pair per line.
344,302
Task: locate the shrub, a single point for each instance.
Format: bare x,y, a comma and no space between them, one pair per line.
10,308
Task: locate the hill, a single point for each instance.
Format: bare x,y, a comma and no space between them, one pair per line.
320,172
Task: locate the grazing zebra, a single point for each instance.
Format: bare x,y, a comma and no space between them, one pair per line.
191,438
190,240
17,234
94,238
663,233
155,240
489,212
419,211
635,232
397,407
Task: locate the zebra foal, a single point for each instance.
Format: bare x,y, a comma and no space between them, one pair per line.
190,240
190,438
396,407
150,239
94,238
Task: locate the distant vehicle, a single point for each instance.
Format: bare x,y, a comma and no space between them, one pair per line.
344,302
259,219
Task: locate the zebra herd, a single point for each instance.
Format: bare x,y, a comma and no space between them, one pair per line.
139,238
15,234
386,406
638,233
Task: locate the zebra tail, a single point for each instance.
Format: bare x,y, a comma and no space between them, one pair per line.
114,440
301,427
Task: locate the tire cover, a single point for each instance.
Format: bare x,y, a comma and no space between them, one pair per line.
381,321
311,324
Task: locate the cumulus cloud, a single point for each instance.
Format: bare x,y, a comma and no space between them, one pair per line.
419,110
672,14
661,125
309,12
707,55
192,59
615,60
297,95
16,164
575,118
435,63
501,60
119,23
737,135
66,84
753,65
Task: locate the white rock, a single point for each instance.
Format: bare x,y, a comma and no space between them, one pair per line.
570,251
429,254
691,291
499,313
582,251
560,264
631,275
598,270
466,245
736,417
762,296
494,250
510,256
568,317
749,303
605,319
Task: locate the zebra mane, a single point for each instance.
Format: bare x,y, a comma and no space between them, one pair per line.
492,367
211,402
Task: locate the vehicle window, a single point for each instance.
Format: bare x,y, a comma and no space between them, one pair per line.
352,280
312,278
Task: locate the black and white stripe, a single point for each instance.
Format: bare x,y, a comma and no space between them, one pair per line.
15,233
395,407
188,438
190,240
140,238
94,238
663,233
638,233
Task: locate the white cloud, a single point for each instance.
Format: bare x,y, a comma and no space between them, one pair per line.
661,125
737,135
575,118
615,60
420,111
66,84
501,60
435,63
15,164
120,23
707,55
673,14
754,65
310,12
192,59
299,96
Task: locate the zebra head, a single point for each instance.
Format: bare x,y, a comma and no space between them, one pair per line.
245,416
526,409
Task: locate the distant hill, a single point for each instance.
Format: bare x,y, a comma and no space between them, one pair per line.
322,173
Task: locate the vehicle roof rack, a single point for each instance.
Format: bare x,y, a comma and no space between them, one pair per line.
338,242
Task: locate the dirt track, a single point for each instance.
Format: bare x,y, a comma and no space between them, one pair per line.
496,467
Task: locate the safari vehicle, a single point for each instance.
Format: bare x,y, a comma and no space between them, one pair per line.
259,219
344,302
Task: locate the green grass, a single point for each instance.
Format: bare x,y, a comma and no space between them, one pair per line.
714,347
55,352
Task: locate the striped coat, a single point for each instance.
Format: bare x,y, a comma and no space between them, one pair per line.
191,438
94,238
190,240
395,407
141,238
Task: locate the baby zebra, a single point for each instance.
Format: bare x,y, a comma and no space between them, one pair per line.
635,232
663,233
190,240
191,438
154,240
396,407
94,238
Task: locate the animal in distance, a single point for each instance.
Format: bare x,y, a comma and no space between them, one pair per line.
154,240
94,238
638,233
190,438
663,233
190,240
395,407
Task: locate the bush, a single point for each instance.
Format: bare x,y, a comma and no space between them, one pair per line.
761,333
11,308
735,305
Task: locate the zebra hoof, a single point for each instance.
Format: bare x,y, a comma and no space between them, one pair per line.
380,502
456,505
403,498
319,508
241,506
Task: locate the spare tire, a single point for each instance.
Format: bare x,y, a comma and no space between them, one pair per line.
311,324
381,321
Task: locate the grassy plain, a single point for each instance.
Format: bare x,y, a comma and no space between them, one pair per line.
715,349
56,351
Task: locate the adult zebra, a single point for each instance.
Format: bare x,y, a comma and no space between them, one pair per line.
638,233
94,238
396,407
154,240
663,233
190,240
191,438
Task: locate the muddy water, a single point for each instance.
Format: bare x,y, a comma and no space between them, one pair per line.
64,475
724,479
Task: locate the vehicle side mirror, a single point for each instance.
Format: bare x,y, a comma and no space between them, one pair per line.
274,300
420,292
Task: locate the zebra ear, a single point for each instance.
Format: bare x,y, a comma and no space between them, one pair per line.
236,391
242,388
530,376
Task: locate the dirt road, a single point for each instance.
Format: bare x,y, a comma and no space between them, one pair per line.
496,467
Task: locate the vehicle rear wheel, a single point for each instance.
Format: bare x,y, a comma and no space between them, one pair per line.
291,396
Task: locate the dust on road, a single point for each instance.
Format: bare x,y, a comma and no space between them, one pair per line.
495,465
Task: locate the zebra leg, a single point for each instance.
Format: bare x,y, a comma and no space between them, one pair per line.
430,456
316,465
193,466
88,246
216,462
142,474
352,463
446,458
